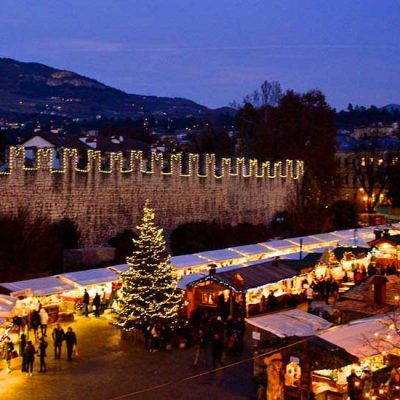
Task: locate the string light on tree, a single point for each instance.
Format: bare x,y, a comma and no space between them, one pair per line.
149,287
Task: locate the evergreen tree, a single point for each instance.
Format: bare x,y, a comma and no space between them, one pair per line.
149,286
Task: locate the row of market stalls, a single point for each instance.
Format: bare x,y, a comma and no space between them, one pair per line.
244,276
303,352
60,294
199,262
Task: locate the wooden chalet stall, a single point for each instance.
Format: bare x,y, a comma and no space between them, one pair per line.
243,290
386,250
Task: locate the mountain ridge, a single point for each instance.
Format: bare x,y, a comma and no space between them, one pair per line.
31,87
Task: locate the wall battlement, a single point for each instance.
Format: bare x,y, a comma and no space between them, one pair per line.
134,163
105,195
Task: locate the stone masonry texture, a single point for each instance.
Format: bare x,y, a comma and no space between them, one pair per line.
108,194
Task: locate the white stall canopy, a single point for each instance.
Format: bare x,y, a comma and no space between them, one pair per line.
119,268
219,255
186,279
365,337
290,323
37,287
251,249
188,261
89,277
7,304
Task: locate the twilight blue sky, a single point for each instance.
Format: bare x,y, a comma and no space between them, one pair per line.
215,51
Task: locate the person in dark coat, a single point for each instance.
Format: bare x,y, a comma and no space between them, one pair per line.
29,357
58,337
42,354
35,322
85,302
70,340
217,348
21,352
96,304
354,386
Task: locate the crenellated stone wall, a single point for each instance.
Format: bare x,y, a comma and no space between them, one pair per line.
107,195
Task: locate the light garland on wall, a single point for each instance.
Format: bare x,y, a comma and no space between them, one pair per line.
293,169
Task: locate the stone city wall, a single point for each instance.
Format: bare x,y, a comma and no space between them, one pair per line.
107,195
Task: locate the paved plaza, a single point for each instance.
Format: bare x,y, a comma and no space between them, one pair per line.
109,368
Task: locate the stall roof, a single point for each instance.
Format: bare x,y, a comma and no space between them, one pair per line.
39,286
356,250
91,276
327,237
186,279
283,244
306,240
358,337
7,303
290,323
187,261
119,268
253,276
219,255
251,249
363,293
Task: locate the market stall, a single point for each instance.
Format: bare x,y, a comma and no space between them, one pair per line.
288,323
370,340
99,280
245,290
7,304
33,293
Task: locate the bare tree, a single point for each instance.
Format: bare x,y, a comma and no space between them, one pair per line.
375,164
271,93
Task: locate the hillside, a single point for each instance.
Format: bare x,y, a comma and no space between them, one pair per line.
37,88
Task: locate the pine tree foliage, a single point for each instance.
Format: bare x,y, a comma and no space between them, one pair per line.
149,287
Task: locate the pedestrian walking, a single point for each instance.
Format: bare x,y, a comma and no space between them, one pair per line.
7,351
85,302
200,348
71,341
217,348
21,351
96,304
309,295
42,354
35,323
29,357
44,320
58,337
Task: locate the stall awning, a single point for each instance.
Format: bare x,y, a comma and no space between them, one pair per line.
280,245
188,261
119,268
251,249
90,277
359,337
7,304
37,287
251,277
219,255
187,279
290,323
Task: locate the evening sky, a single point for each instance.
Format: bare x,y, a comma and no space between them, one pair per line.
215,51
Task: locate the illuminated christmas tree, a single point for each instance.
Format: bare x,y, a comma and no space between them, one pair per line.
149,286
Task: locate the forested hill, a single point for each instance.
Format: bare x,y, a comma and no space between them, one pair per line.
31,88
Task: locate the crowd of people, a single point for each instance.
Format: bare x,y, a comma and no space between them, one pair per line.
361,387
29,349
207,333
